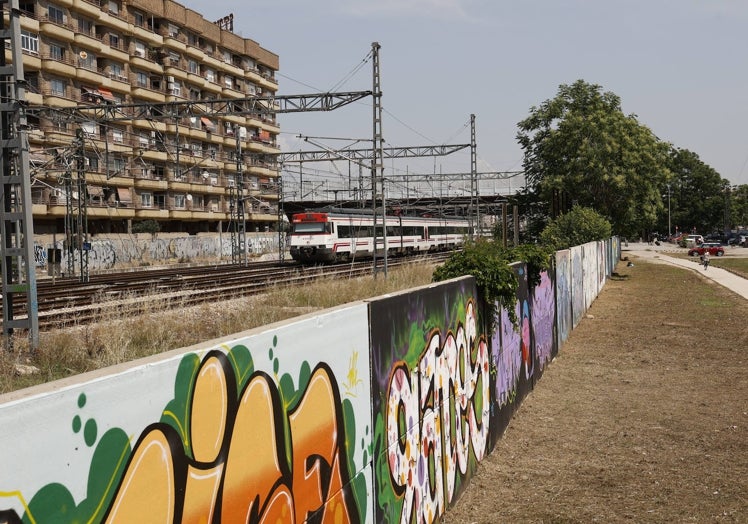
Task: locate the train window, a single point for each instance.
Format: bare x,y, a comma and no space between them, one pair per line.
308,228
344,231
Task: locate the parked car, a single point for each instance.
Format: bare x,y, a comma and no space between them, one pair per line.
691,241
717,236
741,239
714,248
732,239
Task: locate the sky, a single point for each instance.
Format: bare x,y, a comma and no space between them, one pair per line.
678,65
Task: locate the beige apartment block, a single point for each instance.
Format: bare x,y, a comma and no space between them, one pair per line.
179,172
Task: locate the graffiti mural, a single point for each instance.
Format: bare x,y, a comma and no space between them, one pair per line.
245,435
543,320
431,395
106,253
40,255
589,268
577,285
371,412
563,296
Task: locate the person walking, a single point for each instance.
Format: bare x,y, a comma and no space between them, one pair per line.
706,259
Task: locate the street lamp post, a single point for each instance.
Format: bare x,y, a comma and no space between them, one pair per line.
669,233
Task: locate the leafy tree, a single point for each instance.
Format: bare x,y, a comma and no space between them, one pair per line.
146,226
579,148
578,226
698,194
739,206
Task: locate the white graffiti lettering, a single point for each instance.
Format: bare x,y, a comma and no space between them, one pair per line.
436,414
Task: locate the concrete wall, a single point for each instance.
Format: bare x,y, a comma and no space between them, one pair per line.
377,411
113,251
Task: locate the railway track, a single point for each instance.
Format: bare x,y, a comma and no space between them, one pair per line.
66,302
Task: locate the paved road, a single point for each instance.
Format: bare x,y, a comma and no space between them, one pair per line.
660,254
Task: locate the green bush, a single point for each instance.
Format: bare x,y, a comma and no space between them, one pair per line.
577,227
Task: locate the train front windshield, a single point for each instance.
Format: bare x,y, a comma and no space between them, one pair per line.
311,228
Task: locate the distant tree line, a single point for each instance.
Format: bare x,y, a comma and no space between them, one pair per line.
580,149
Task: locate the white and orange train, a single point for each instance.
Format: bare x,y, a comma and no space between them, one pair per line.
344,236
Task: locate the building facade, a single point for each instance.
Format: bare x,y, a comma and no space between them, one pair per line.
181,172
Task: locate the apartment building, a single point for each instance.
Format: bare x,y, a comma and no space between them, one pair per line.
180,172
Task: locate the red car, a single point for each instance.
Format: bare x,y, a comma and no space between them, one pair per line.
714,248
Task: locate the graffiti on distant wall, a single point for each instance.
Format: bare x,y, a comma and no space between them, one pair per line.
235,444
577,285
563,295
543,320
107,253
589,267
432,400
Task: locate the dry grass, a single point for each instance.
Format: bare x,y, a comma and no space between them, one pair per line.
124,334
641,418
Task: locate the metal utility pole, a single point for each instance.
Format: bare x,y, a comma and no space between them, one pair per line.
474,189
281,222
16,217
81,216
238,219
377,165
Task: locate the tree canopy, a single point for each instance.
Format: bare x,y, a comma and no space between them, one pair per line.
577,227
698,194
581,146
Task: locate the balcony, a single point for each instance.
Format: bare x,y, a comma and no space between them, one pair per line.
62,66
60,30
114,20
151,212
89,8
147,94
145,63
152,184
87,71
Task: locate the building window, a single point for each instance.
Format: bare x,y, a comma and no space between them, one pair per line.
114,41
92,162
141,79
146,200
174,88
118,136
173,30
30,42
226,56
210,75
140,49
138,19
117,166
56,52
113,7
85,26
228,81
55,14
57,86
87,60
192,66
179,201
116,71
90,128
174,59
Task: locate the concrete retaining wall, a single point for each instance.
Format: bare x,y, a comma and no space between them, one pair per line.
113,251
377,411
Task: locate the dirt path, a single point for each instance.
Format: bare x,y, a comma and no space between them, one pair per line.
643,417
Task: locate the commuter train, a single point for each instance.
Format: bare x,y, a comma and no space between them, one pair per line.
347,235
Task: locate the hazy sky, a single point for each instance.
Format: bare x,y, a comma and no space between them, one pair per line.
679,65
